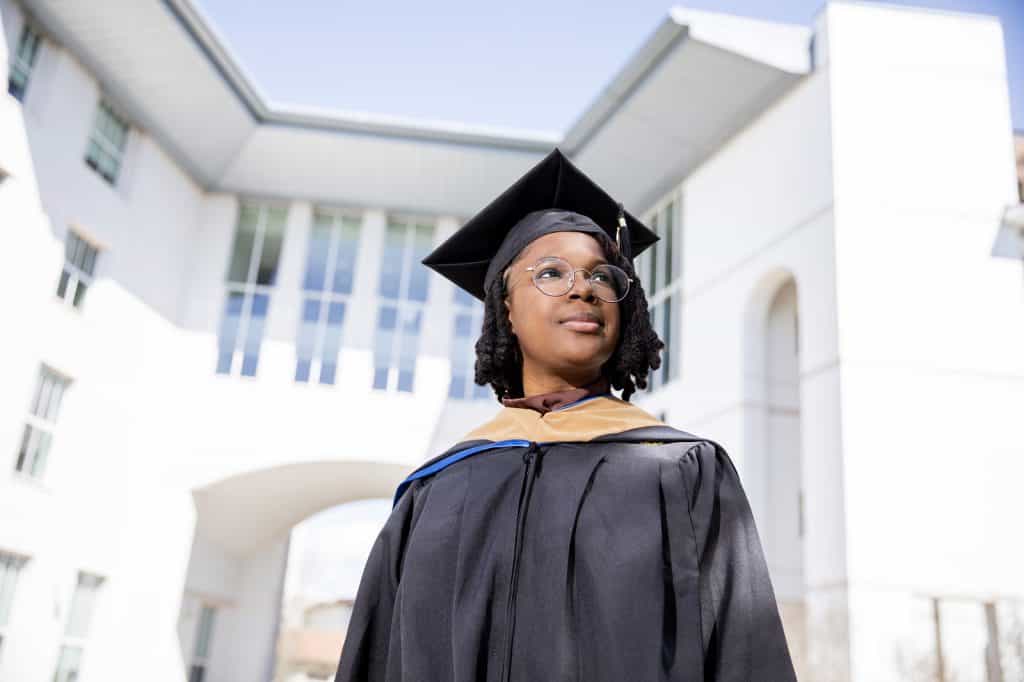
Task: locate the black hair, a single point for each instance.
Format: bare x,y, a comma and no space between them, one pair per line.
499,360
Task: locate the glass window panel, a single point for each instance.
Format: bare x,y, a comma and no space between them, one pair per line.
387,317
412,319
28,45
49,391
418,277
332,342
669,226
464,298
228,336
107,142
79,294
328,371
254,334
345,262
23,450
463,325
273,238
72,247
68,663
196,673
62,285
56,396
456,386
316,258
391,260
652,274
83,603
17,83
42,450
10,566
22,61
204,633
481,392
245,237
666,362
383,344
307,338
42,395
89,260
405,379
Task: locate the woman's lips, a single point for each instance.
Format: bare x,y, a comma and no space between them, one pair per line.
584,323
583,326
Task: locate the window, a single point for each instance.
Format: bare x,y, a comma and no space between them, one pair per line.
10,567
42,418
403,294
330,270
469,317
252,274
201,650
83,603
659,269
106,144
22,61
79,264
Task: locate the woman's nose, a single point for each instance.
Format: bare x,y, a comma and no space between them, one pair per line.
583,284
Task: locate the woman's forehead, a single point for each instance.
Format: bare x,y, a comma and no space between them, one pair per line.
564,244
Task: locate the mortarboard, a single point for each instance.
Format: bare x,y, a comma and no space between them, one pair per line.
484,246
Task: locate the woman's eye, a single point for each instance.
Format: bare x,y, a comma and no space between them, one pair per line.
601,277
551,270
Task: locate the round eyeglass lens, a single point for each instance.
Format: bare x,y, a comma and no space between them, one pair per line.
553,276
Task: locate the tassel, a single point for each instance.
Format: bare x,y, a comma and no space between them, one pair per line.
626,252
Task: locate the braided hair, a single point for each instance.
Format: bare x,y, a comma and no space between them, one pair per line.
499,359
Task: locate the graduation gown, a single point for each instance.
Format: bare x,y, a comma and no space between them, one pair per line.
592,543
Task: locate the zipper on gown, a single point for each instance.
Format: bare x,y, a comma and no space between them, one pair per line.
532,460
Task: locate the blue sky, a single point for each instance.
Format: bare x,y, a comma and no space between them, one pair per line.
531,64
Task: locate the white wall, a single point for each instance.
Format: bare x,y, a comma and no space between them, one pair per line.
930,325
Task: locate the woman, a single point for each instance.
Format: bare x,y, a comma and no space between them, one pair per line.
574,536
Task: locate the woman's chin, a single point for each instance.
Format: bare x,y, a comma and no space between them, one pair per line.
580,355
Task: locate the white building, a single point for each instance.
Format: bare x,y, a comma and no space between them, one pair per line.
214,326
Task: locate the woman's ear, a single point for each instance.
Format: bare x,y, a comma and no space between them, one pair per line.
508,314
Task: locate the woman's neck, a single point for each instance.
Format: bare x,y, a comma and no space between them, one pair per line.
537,385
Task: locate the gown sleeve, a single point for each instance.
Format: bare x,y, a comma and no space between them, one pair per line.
368,640
740,624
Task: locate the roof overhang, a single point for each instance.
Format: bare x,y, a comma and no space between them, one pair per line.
696,81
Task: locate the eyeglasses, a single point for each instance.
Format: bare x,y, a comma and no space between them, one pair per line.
554,276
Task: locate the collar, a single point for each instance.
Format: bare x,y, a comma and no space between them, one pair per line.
553,400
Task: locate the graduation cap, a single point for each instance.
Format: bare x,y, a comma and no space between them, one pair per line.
553,196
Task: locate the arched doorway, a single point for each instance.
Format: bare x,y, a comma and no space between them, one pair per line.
773,456
228,626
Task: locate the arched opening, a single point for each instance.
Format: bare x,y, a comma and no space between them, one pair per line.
772,453
326,556
230,622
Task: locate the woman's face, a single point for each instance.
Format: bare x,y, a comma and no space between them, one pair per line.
550,343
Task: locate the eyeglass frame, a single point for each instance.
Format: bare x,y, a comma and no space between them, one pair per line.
572,278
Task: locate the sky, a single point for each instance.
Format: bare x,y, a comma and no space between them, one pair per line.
533,65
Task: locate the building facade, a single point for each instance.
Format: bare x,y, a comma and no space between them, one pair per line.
216,324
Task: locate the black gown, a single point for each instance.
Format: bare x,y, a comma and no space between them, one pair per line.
592,543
